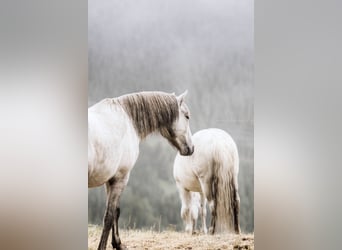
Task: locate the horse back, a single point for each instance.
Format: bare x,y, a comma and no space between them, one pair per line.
215,145
211,146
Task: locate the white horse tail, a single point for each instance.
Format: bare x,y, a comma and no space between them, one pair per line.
224,191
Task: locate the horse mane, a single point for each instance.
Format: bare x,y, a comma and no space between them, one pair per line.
150,111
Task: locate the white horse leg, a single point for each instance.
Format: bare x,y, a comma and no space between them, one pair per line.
195,209
204,213
193,218
210,194
186,209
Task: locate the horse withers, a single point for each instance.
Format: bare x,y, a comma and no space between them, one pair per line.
210,173
115,128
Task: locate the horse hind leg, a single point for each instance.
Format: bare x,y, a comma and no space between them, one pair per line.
116,242
114,189
209,189
117,186
107,222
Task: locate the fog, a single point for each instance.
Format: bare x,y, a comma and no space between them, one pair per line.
203,46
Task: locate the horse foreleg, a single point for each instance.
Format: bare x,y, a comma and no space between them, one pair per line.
185,196
194,224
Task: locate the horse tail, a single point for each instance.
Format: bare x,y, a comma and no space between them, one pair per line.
235,204
225,193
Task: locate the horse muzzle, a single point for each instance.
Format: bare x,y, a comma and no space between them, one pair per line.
187,151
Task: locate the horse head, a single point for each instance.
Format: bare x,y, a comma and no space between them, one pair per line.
179,133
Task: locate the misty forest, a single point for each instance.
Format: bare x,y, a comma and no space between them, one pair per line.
203,46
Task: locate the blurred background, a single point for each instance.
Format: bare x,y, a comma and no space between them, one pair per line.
297,109
205,47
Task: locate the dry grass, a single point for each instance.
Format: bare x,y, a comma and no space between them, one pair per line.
143,239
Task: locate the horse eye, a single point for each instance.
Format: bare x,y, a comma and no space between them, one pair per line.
187,117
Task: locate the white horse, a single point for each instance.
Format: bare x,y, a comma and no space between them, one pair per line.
211,173
115,128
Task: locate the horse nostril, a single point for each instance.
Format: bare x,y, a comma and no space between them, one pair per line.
189,150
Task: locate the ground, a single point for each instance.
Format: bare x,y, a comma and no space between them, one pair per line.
145,239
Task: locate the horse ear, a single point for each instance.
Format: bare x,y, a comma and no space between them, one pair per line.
181,97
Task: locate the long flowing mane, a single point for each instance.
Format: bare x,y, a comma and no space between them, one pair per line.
150,111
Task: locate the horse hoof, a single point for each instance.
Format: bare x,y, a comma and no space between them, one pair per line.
211,230
122,247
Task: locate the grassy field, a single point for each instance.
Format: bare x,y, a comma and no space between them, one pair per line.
144,239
